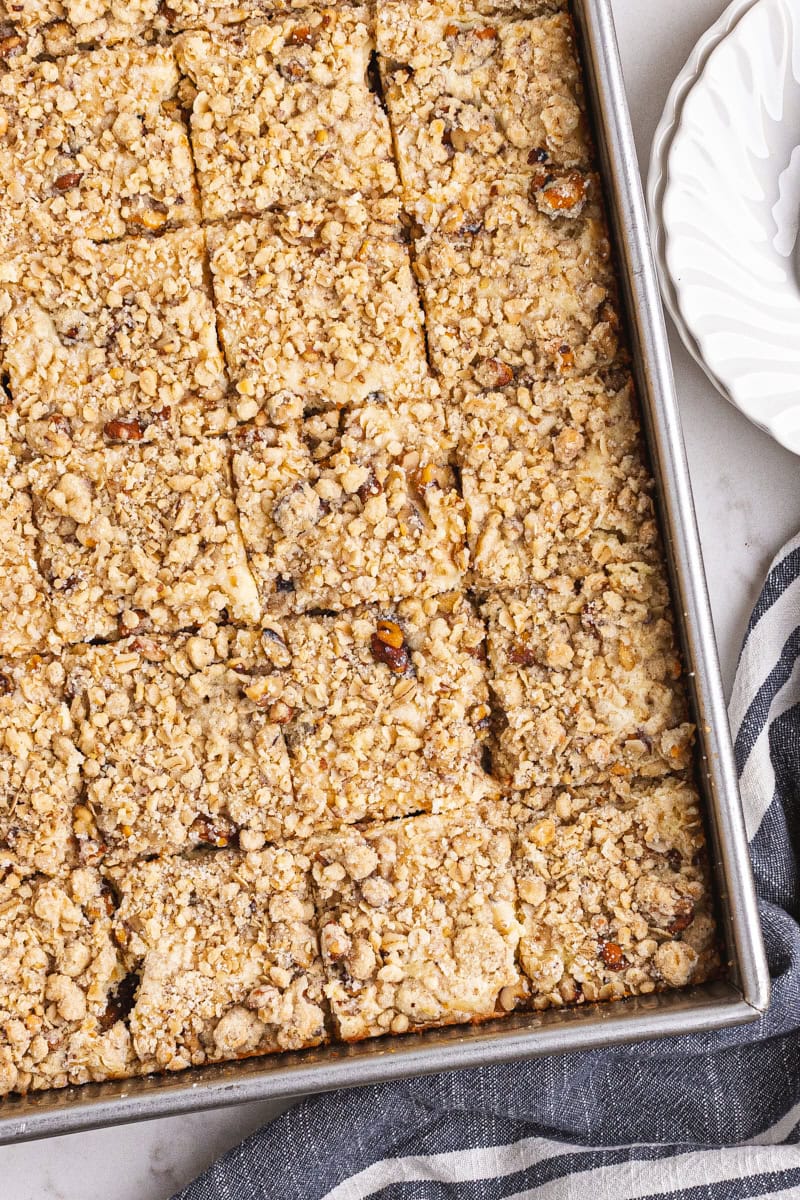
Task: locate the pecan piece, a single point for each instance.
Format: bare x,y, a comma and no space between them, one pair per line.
388,647
684,915
6,684
613,956
560,193
12,45
493,373
301,35
119,430
213,831
66,182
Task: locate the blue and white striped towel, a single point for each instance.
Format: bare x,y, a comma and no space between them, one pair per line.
698,1118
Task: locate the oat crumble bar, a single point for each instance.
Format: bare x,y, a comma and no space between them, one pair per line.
319,300
141,528
96,334
62,982
284,112
93,146
39,763
478,104
520,296
178,748
417,922
614,893
224,947
550,473
344,509
388,709
587,680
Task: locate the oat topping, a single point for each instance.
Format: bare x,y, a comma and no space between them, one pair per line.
284,112
613,891
61,981
141,526
520,296
226,955
221,15
551,475
340,694
381,730
94,146
94,333
587,680
475,104
348,509
418,922
320,301
180,743
56,27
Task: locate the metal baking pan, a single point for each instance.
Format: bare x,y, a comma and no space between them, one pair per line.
745,992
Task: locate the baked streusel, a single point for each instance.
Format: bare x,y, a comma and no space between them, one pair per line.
340,693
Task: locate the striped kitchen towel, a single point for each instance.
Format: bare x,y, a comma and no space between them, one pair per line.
698,1118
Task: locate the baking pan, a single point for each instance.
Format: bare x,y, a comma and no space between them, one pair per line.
745,991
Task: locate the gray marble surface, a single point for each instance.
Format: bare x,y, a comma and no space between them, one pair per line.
748,503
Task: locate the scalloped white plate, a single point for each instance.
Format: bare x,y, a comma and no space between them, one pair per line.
724,199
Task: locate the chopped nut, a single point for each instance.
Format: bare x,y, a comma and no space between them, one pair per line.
149,218
388,647
301,35
123,431
390,633
612,956
71,180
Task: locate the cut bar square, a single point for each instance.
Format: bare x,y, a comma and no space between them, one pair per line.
339,510
388,709
586,677
417,922
145,532
226,954
284,112
478,104
39,763
520,297
550,475
320,301
94,146
63,986
614,893
56,27
98,334
25,624
176,753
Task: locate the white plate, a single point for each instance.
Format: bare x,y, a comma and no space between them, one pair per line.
724,200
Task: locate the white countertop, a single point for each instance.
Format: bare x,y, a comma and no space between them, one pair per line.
748,503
